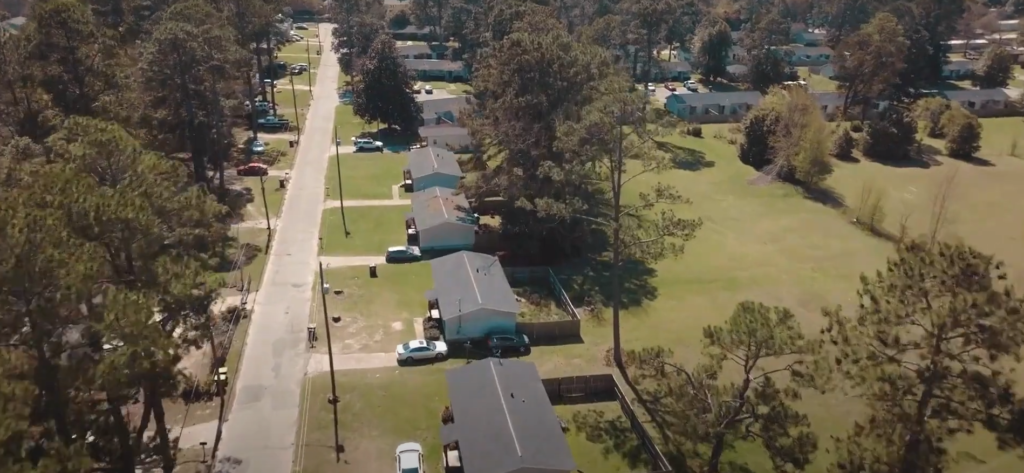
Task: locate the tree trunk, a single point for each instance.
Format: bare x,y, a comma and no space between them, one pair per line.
163,448
126,448
616,169
140,432
273,78
715,457
260,75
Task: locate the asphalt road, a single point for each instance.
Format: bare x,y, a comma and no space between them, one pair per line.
260,433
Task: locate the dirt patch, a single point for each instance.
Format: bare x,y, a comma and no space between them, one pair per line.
197,362
538,306
396,326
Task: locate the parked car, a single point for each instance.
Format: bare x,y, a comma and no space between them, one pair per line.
505,343
253,169
416,89
273,123
302,65
257,147
428,89
269,83
421,350
295,37
300,26
691,86
409,458
651,88
367,144
670,87
400,254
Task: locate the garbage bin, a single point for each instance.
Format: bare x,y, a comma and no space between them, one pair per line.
281,183
373,270
291,143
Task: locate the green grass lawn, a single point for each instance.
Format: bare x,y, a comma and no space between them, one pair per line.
372,230
293,50
816,82
377,314
378,410
349,125
601,440
287,159
367,176
303,80
275,197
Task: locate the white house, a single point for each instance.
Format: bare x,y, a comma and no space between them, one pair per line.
983,102
957,69
962,45
432,167
830,102
1009,25
441,220
473,296
446,136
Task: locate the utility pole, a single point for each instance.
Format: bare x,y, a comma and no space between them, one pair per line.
266,208
333,400
309,62
295,105
341,193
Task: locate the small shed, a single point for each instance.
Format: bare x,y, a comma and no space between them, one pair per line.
503,421
432,167
441,220
473,296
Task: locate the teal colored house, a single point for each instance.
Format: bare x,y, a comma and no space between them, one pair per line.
712,107
808,55
473,297
437,69
432,167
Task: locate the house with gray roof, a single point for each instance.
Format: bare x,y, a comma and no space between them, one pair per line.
441,220
473,296
444,110
712,107
14,24
958,69
412,33
437,69
432,167
422,51
502,421
446,136
981,102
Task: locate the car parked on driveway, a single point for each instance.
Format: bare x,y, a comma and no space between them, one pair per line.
409,458
257,147
670,87
273,123
253,169
367,144
421,350
402,254
508,343
428,89
691,86
300,26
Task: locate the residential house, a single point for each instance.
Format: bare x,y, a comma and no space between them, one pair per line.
391,7
14,24
684,54
502,421
959,69
827,71
472,297
431,167
737,54
1002,38
440,220
423,51
677,71
831,103
446,110
797,28
447,136
413,33
712,107
809,38
983,102
963,45
1007,26
437,69
808,55
736,72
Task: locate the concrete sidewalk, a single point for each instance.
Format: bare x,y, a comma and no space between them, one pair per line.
260,433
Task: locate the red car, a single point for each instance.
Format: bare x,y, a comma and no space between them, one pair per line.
670,87
253,169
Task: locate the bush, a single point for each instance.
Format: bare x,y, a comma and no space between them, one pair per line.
890,138
842,145
929,112
857,127
695,131
787,132
963,133
432,334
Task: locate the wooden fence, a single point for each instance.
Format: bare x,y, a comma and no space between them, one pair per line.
550,331
604,388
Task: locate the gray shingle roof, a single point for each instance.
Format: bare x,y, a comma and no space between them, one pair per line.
504,420
434,107
443,130
434,206
433,65
829,98
430,160
718,98
467,281
976,94
681,66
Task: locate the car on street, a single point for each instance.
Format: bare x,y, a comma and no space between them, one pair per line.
409,458
257,147
508,343
300,26
670,87
402,254
295,37
429,89
651,88
691,86
421,350
253,169
269,83
367,144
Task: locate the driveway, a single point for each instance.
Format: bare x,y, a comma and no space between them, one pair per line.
259,435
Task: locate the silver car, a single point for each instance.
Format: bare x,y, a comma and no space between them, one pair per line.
421,350
409,458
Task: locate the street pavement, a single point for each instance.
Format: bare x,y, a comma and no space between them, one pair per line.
260,433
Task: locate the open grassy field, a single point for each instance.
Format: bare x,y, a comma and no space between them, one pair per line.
600,438
817,83
366,176
371,230
349,125
378,313
275,197
293,50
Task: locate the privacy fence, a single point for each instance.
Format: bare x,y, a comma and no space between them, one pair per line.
553,331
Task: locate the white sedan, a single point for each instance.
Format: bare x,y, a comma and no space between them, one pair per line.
421,350
409,458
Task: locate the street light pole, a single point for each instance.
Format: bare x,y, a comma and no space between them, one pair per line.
266,208
333,400
309,62
341,193
295,105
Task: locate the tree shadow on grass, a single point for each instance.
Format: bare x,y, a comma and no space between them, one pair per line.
824,195
590,282
687,159
614,434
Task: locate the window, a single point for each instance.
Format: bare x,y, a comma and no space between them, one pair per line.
971,104
824,109
431,345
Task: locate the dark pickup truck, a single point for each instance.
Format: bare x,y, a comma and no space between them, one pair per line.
273,123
